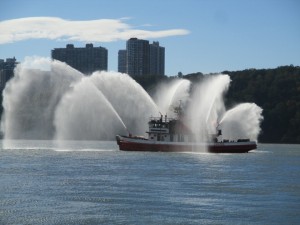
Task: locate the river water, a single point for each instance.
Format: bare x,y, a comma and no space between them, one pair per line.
45,182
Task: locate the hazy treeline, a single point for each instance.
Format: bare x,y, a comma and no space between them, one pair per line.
276,91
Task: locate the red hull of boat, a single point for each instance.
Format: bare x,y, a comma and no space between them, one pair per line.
125,144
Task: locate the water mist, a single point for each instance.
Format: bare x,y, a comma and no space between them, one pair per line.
128,98
85,114
31,97
170,94
242,121
64,104
206,106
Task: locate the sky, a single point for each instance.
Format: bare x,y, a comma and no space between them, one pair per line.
207,36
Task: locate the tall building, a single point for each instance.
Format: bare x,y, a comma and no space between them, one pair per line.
141,58
86,60
122,61
157,59
138,57
6,71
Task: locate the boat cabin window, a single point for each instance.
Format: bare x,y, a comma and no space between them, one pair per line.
158,124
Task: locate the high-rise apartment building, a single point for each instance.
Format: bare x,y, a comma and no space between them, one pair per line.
157,59
138,57
86,60
122,61
141,58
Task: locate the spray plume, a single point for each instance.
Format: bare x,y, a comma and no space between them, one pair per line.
206,105
65,104
242,121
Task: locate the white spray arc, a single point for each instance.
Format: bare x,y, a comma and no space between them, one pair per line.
31,97
171,94
64,104
206,105
128,98
85,114
242,122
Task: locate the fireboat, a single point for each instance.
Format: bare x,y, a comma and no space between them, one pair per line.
172,135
